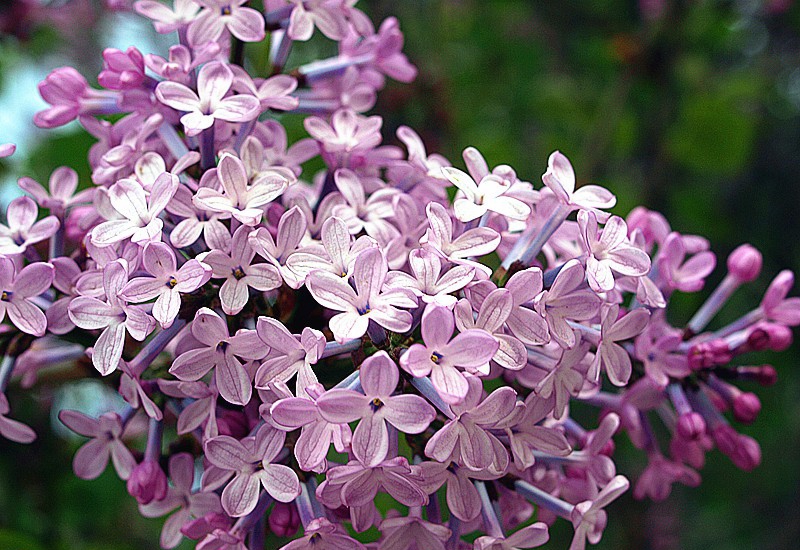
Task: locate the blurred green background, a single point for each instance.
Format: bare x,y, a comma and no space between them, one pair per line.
688,107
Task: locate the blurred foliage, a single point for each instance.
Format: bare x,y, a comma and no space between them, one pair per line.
689,107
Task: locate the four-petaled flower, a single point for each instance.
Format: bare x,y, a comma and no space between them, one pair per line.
113,315
132,214
23,230
239,272
209,102
249,461
167,283
369,301
16,291
375,408
441,355
219,352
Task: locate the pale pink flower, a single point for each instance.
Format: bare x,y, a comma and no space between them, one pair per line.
209,102
660,353
369,301
327,15
567,300
220,352
244,23
776,306
287,355
239,272
493,312
23,230
138,214
609,252
249,462
241,198
467,439
338,253
680,273
657,479
167,283
113,315
362,213
611,356
527,433
105,433
196,223
472,243
355,485
560,179
347,132
179,495
167,20
428,282
488,195
376,408
441,355
122,70
316,434
63,183
566,378
16,291
291,231
462,497
589,518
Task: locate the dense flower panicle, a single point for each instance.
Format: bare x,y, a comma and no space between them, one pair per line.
388,325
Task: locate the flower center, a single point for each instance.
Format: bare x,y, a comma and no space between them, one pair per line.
238,273
376,404
436,357
172,282
225,10
6,296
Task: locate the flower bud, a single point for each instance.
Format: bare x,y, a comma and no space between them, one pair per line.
691,426
746,407
767,375
147,482
744,263
779,336
284,519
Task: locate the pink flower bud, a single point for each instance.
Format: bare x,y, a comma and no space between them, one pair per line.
744,263
691,426
709,354
122,70
748,454
284,519
767,375
147,482
779,336
746,407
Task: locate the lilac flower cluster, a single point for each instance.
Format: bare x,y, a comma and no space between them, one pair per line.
301,342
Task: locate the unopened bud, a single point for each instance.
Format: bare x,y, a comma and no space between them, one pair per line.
691,426
745,263
746,407
147,482
284,519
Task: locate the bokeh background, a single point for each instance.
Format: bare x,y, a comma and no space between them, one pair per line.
689,107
